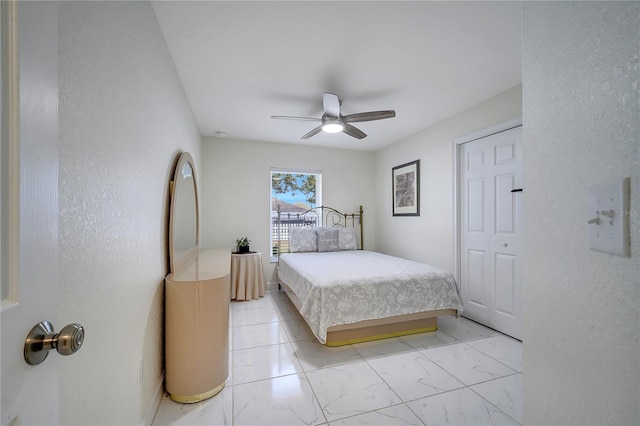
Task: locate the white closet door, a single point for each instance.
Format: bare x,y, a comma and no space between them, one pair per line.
491,167
30,393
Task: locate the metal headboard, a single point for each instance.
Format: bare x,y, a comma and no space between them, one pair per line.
327,216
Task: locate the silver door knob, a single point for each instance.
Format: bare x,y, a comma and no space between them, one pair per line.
41,339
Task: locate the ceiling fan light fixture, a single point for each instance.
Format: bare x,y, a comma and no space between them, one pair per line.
334,122
332,127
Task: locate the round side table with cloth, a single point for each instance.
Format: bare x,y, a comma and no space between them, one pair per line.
247,276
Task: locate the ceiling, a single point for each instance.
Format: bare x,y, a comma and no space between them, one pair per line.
241,62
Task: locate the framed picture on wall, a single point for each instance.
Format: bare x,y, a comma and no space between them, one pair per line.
406,189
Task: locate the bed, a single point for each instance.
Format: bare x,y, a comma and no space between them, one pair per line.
349,295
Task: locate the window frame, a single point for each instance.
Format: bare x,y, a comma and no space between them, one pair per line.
273,255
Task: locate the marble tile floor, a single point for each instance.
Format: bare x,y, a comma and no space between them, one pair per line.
279,374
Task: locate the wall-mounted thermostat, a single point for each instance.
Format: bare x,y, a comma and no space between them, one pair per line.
609,217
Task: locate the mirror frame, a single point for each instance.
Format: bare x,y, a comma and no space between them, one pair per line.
176,262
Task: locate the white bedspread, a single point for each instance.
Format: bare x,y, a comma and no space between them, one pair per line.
350,286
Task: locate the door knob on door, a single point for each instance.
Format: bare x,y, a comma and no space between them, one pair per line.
42,339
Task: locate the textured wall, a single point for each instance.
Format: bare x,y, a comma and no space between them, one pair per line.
123,120
429,237
581,126
236,186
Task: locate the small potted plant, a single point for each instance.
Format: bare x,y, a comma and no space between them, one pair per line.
243,244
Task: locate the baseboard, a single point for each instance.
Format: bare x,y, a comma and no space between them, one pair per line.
272,285
155,404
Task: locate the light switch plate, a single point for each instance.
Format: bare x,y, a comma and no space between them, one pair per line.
609,217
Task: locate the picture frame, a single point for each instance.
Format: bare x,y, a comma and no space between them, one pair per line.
406,189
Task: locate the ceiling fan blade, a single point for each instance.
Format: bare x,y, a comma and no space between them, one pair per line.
368,116
288,117
353,131
331,105
312,133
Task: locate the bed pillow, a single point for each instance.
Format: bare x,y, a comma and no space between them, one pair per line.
328,239
347,239
302,239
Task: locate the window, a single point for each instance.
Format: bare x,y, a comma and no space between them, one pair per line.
295,192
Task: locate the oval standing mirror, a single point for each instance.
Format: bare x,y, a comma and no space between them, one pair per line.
183,220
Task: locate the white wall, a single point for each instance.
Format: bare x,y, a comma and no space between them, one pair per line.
581,126
429,237
236,185
123,120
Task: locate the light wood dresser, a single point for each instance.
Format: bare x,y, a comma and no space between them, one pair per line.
197,326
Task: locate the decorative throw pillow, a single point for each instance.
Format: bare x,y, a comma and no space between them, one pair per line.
302,239
347,239
328,239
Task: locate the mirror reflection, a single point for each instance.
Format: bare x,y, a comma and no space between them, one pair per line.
183,229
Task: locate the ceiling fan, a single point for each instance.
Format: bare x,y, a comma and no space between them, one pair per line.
334,122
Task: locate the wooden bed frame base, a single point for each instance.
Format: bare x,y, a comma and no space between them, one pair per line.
369,330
